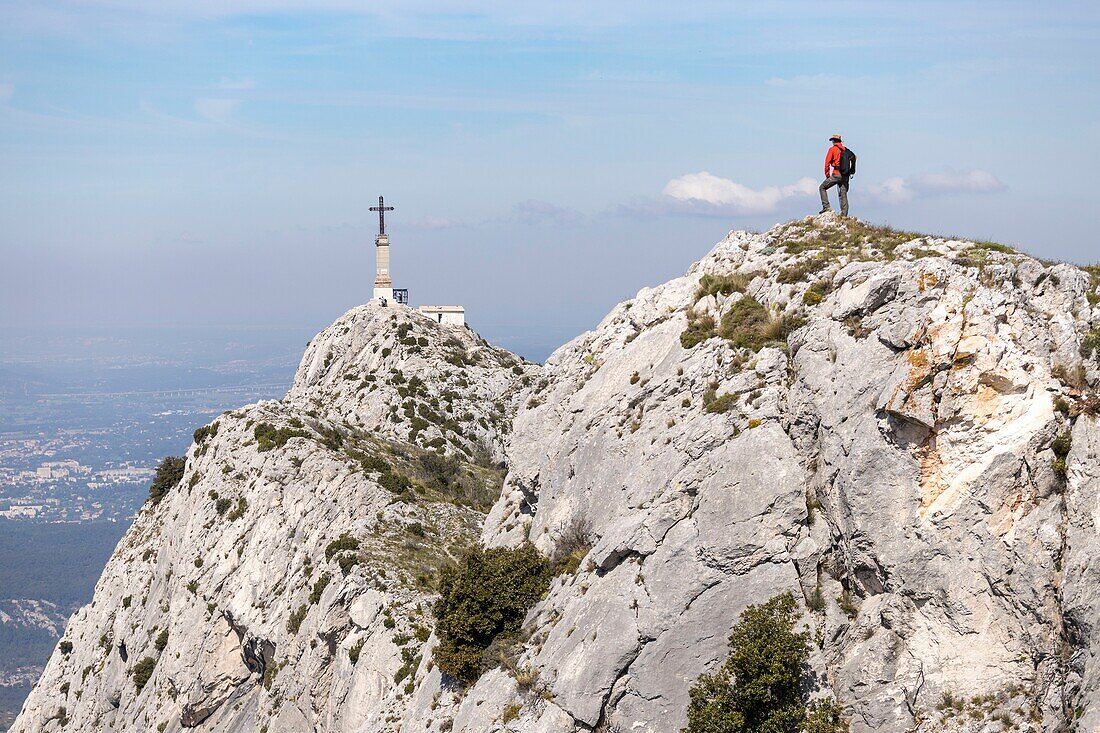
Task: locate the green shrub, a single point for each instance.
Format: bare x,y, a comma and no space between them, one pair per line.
817,292
395,482
269,437
206,432
162,641
353,653
847,604
1090,343
824,716
295,621
239,510
1062,444
759,688
142,671
743,323
347,561
749,325
319,588
816,601
66,647
444,472
332,438
484,597
344,543
169,473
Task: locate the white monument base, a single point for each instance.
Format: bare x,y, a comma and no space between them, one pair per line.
386,293
448,315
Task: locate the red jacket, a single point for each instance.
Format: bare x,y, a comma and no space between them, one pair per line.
832,159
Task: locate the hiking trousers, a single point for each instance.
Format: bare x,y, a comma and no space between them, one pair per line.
841,183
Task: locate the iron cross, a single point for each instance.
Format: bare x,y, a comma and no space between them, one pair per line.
381,209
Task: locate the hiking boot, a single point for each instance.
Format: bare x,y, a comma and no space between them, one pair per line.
826,210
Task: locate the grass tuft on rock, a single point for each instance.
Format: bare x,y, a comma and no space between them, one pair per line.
737,282
749,325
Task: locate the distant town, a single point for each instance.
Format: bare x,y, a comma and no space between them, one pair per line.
34,485
84,421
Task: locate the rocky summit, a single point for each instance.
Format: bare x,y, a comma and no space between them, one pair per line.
900,430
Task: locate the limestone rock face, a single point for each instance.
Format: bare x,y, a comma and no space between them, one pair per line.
280,586
900,430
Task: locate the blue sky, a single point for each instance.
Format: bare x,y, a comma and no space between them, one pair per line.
211,163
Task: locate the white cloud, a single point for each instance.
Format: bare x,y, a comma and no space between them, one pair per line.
533,211
974,181
894,190
216,109
820,82
241,84
707,193
898,190
722,193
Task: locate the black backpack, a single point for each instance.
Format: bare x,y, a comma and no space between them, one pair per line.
847,162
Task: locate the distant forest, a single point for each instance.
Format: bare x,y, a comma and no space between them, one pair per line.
59,563
54,562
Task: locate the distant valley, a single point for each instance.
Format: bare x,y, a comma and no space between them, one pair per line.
86,418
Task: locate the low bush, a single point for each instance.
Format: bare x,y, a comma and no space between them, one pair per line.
759,688
268,437
344,543
238,512
482,598
572,546
801,271
817,292
744,322
319,588
169,474
205,432
354,651
510,713
142,671
295,621
394,482
1090,343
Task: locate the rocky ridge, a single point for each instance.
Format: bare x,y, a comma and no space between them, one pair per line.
899,429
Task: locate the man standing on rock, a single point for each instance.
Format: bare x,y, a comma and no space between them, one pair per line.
840,165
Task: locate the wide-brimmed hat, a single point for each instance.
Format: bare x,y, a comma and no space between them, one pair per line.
836,137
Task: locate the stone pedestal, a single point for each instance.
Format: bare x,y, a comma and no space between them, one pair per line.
383,285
